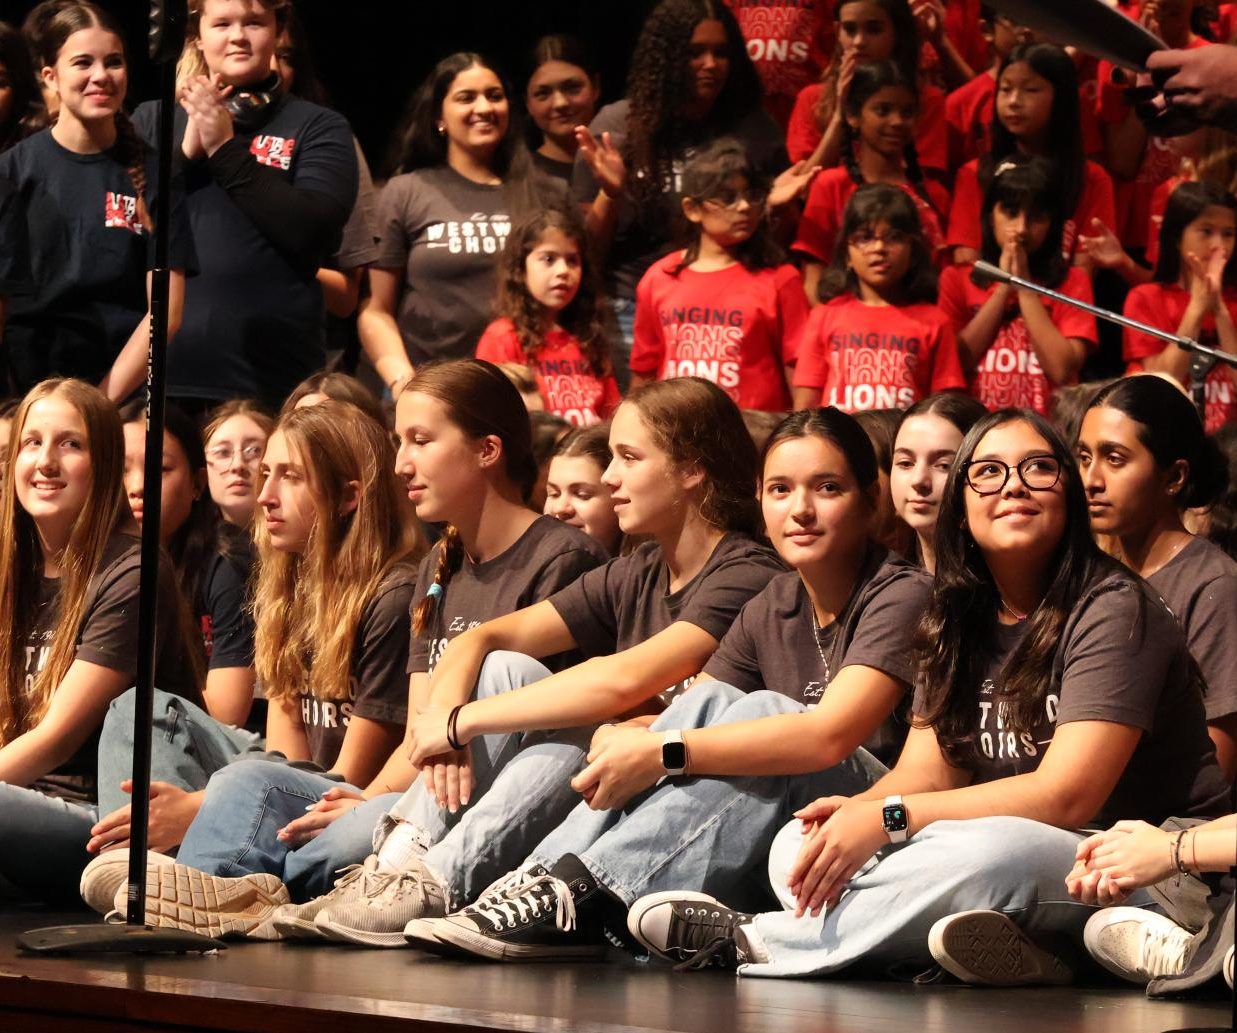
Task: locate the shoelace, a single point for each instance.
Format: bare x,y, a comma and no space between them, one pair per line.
707,934
497,891
347,876
526,902
1163,951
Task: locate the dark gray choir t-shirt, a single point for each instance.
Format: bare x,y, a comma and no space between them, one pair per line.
1199,585
108,638
546,558
378,689
628,601
771,645
223,610
444,233
640,239
1122,659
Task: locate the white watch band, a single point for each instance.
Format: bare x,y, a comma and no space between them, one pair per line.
896,835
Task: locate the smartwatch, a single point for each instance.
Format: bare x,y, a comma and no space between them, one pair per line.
894,819
674,753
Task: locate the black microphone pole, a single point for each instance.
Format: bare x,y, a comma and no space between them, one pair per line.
167,33
1202,358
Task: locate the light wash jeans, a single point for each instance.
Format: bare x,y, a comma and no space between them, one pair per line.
700,833
521,790
43,843
1012,865
249,801
187,746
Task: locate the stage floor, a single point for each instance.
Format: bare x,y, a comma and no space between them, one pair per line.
293,988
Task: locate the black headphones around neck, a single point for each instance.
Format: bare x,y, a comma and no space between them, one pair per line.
249,106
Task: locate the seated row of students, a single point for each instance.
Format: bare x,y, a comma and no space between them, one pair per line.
682,464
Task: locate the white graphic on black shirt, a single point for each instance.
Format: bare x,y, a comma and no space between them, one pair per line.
997,741
120,212
274,151
479,234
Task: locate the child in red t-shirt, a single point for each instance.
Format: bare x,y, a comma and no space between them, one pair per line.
1192,295
867,30
1037,112
550,318
728,308
1016,345
879,342
879,145
968,109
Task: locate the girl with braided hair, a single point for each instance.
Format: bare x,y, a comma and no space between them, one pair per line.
79,306
882,106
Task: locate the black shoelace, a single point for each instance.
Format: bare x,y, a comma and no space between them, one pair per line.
707,934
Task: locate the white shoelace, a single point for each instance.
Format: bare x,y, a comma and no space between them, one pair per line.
1163,952
527,901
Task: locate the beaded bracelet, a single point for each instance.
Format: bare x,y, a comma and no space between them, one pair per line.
1176,856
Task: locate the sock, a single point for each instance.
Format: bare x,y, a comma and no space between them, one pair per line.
401,846
749,945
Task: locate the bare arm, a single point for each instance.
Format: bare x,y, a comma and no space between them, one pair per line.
284,731
229,694
977,336
377,326
367,746
340,290
129,370
1060,357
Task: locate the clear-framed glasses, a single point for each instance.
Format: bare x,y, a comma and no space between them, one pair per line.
221,456
733,198
866,238
989,476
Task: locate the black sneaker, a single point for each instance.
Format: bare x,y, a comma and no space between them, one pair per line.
692,930
422,932
555,916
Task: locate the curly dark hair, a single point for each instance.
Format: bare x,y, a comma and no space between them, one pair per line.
583,318
659,88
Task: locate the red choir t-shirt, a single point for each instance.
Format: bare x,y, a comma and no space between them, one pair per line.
735,327
1095,202
1162,305
1009,373
826,200
1159,161
877,356
789,42
568,386
931,145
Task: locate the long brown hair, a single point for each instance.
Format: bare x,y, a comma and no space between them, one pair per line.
308,606
105,511
695,423
583,318
129,149
479,400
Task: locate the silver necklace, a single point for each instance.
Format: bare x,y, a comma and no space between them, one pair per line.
816,629
1020,617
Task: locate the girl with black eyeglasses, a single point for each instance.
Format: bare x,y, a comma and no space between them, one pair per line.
1054,691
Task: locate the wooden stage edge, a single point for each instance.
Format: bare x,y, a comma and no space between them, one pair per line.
293,988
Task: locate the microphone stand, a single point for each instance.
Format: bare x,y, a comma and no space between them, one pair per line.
167,28
1202,358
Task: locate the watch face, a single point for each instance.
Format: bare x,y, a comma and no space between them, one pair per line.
673,756
894,818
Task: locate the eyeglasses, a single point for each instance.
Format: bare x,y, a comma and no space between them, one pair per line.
989,476
221,456
865,239
733,198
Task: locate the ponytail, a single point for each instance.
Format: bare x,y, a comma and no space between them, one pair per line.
450,556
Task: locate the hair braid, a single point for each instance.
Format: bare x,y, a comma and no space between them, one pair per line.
450,556
132,153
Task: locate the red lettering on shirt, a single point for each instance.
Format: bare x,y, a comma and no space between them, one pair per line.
275,151
120,212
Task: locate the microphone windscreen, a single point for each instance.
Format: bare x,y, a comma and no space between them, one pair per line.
985,274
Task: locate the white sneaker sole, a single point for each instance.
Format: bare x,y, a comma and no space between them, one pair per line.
180,897
638,910
291,927
481,946
361,937
107,873
988,949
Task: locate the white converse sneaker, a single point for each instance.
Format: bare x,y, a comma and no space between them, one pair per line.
107,873
1138,945
987,948
1228,968
387,902
297,921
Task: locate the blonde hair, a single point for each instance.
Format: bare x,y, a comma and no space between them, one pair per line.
308,606
246,407
21,559
191,62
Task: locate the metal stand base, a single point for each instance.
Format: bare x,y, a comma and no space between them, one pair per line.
115,939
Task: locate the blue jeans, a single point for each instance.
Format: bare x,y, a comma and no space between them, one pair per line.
1012,865
700,833
521,790
187,746
249,801
620,347
43,843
